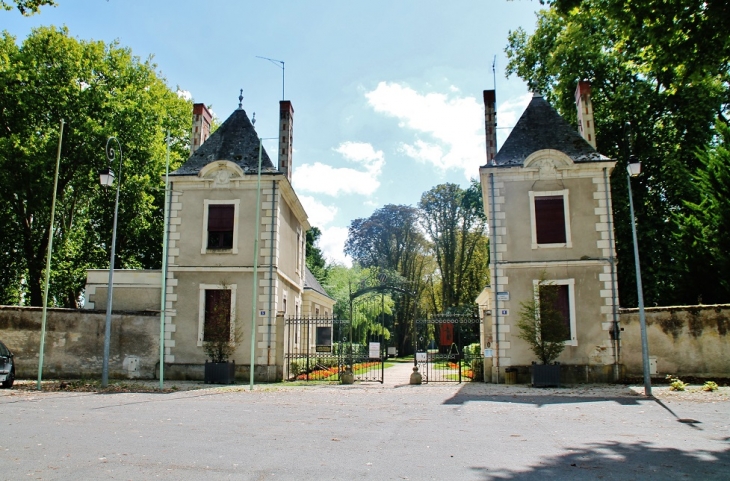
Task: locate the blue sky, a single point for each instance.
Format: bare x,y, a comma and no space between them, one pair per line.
387,95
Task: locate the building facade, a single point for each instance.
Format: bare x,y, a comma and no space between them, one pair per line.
211,258
547,196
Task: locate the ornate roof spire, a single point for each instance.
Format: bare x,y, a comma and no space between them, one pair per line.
240,100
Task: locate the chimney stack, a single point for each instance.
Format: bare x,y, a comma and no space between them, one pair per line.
490,124
201,126
286,137
584,105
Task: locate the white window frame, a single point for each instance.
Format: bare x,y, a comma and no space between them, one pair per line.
571,302
234,249
566,212
201,309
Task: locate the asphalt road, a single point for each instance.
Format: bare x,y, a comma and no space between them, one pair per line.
380,432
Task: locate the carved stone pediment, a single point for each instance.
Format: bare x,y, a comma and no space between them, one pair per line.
221,172
548,162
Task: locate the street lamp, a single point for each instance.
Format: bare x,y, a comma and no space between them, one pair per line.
106,178
632,170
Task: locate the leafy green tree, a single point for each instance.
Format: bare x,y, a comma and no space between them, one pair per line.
100,90
704,228
390,241
454,221
663,67
26,7
314,256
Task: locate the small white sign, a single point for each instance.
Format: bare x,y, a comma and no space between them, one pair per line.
489,353
504,312
503,296
262,313
421,356
374,350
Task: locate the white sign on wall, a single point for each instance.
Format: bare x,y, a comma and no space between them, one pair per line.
374,350
489,353
421,356
503,296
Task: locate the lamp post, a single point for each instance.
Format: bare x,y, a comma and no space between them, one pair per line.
632,170
106,179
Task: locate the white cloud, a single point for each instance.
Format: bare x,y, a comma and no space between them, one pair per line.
454,124
185,94
325,179
319,213
332,244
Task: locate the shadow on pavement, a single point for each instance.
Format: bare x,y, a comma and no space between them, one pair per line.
624,461
478,393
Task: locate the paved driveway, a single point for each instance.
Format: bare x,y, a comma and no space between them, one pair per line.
379,432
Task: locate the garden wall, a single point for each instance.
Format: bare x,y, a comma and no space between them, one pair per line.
689,341
75,342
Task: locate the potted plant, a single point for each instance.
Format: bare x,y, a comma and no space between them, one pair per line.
544,327
219,343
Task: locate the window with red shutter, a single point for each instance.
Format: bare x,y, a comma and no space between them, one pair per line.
220,226
217,314
562,302
550,219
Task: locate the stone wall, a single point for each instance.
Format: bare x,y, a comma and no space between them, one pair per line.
75,342
686,340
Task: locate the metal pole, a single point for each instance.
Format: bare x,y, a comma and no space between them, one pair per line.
163,295
640,293
48,259
108,325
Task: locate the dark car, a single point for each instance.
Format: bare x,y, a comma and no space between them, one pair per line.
7,367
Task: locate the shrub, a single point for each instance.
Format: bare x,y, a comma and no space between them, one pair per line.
675,384
710,386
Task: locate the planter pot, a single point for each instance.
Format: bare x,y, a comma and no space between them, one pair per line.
220,372
347,377
545,375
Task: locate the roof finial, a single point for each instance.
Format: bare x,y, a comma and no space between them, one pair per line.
240,100
253,120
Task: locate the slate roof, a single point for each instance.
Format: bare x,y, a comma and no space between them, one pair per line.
311,282
542,127
235,140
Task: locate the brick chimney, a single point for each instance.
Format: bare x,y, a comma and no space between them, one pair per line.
583,103
286,137
490,124
201,126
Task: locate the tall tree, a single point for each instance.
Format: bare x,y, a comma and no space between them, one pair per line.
391,241
316,262
100,90
454,221
704,228
630,51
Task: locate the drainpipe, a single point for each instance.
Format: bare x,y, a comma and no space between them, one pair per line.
493,241
271,269
612,261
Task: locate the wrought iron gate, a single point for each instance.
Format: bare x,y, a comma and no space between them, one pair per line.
321,348
448,348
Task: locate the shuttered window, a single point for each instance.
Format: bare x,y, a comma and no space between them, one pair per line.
217,315
561,300
550,219
220,226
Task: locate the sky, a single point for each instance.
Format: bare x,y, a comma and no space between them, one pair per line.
387,94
